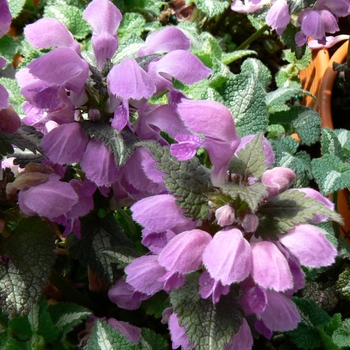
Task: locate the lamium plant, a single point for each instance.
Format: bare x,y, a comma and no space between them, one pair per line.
152,198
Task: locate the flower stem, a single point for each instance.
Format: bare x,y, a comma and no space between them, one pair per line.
252,38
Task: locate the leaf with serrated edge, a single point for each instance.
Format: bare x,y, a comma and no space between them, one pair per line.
98,235
254,157
330,143
188,181
120,143
104,337
30,248
252,195
281,213
152,341
120,255
208,326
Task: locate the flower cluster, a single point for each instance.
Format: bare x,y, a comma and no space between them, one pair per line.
314,21
73,102
233,247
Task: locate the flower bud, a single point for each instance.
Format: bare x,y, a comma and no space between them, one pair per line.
277,180
250,222
225,215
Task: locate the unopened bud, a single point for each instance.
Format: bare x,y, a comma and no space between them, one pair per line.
250,222
277,180
225,215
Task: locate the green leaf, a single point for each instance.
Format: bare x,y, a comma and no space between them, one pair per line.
120,143
258,69
330,173
305,337
301,63
281,213
128,47
132,23
188,181
343,136
208,325
245,97
157,304
70,16
16,7
276,99
152,341
41,322
15,97
27,137
252,195
98,235
330,143
66,316
229,57
334,324
252,159
343,283
120,255
104,337
14,344
8,48
5,145
212,8
20,328
341,336
30,248
311,314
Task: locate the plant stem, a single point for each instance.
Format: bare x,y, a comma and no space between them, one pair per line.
252,38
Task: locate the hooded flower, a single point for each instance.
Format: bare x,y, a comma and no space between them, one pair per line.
228,257
215,121
5,17
104,17
127,80
50,32
278,16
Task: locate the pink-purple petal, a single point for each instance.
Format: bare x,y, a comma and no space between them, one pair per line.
270,268
50,32
128,80
165,40
309,245
228,257
184,252
143,274
159,213
5,17
243,339
281,313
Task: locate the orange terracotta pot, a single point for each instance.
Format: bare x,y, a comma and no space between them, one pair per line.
318,78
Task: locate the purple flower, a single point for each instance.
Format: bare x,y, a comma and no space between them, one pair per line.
210,287
225,215
99,164
65,144
228,257
5,17
178,64
50,199
242,339
184,252
278,16
104,18
216,122
10,122
159,213
125,296
309,245
270,268
178,334
143,274
248,6
187,146
340,8
50,32
126,81
165,40
277,180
